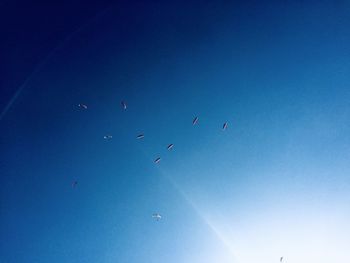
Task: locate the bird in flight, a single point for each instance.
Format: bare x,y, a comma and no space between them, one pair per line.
83,106
281,259
157,160
224,127
170,146
195,120
140,136
157,216
108,137
123,103
74,184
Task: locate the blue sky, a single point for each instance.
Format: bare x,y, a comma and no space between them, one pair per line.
275,183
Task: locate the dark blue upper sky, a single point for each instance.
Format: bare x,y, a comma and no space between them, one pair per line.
276,182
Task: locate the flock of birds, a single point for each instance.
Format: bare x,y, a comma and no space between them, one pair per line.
141,136
83,106
156,216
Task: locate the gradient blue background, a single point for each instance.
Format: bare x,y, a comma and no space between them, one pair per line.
275,183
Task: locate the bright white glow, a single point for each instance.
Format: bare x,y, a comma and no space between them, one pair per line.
302,238
299,227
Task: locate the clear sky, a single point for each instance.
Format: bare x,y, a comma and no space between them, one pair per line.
274,183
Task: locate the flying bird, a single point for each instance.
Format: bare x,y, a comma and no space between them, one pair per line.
107,137
224,127
157,216
170,146
157,160
123,103
281,259
74,184
140,136
84,106
195,120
